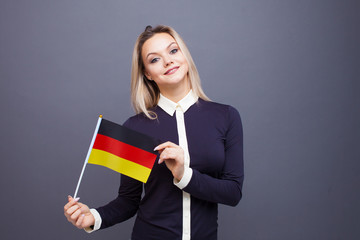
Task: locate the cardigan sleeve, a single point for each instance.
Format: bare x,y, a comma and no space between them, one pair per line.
124,206
226,188
127,202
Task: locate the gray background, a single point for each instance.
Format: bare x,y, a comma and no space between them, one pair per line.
290,67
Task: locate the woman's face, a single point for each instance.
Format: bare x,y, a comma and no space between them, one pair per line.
164,62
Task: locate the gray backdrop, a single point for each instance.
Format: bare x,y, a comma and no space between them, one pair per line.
290,67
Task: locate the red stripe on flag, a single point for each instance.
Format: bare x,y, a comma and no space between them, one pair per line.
124,150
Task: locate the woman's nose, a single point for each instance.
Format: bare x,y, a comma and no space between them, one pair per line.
167,61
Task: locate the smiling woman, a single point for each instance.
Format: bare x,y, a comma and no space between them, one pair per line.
166,65
200,161
145,94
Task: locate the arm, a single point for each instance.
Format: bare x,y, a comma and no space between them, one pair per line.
227,187
223,188
124,206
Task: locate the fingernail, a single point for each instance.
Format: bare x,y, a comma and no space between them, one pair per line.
69,196
76,199
156,148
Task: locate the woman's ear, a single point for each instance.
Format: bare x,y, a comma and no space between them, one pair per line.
147,75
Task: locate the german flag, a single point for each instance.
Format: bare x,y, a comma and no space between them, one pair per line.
123,150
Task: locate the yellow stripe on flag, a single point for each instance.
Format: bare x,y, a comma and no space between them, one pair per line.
119,164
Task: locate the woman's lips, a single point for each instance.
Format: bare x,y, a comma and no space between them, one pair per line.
171,71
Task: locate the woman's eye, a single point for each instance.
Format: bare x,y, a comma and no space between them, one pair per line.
174,51
154,60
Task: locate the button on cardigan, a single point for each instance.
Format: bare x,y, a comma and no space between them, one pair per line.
212,139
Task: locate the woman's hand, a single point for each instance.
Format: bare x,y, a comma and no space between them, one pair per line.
173,155
78,214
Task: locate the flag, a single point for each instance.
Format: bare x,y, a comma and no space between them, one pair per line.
123,150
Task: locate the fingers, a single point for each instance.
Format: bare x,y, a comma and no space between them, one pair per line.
173,156
84,208
79,221
169,150
72,213
72,210
165,145
72,202
171,153
75,215
78,213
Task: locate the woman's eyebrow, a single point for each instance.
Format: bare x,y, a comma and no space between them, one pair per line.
166,48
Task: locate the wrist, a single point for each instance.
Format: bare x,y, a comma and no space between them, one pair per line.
184,181
179,174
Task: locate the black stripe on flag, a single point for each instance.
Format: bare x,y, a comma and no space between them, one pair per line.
127,135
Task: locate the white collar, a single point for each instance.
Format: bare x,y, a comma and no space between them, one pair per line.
170,107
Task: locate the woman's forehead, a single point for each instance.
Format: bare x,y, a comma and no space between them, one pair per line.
158,42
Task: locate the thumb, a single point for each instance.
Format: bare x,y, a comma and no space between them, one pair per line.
70,198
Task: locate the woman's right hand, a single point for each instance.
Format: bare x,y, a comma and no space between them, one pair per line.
78,214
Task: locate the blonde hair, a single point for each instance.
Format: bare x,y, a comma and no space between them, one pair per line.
144,93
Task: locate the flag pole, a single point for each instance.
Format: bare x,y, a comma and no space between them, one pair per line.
88,154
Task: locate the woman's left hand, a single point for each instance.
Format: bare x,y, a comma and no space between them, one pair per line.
173,155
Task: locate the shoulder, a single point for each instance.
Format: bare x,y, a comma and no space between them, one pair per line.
226,118
218,109
140,120
136,120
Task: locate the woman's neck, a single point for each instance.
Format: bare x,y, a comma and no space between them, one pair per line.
176,93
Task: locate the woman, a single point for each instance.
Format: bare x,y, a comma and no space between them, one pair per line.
200,162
